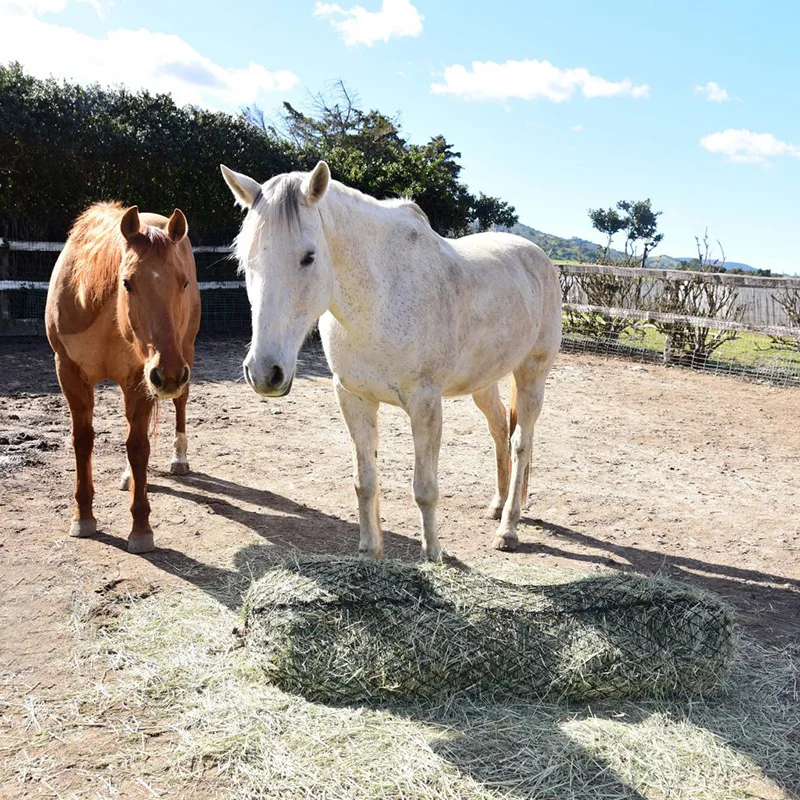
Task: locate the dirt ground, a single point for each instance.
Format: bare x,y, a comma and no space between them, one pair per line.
643,468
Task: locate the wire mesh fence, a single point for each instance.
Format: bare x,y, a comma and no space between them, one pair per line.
729,324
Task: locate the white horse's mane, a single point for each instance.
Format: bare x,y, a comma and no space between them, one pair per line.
282,196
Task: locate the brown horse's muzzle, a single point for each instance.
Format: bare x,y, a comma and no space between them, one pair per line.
165,382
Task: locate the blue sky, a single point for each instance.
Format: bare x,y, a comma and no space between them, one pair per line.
555,107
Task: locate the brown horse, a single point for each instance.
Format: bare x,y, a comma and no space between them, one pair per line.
123,305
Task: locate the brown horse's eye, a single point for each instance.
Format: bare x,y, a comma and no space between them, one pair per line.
307,259
127,284
186,285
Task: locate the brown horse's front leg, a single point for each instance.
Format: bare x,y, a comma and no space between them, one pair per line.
80,397
180,463
138,408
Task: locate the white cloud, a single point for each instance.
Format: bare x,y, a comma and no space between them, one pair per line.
713,92
47,6
576,128
744,146
395,19
530,79
139,59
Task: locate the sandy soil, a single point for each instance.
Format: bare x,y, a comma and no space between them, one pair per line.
650,469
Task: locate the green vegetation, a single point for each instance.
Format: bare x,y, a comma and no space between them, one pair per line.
66,146
749,350
640,224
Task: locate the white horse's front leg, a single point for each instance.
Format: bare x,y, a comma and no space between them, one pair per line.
361,417
426,426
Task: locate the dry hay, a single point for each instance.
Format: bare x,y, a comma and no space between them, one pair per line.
184,712
347,630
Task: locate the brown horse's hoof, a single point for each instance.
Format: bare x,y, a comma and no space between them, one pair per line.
508,543
141,543
82,528
179,468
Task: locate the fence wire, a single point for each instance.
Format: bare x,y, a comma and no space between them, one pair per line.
737,325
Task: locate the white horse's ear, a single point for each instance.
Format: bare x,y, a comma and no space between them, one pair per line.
177,227
244,188
315,184
129,225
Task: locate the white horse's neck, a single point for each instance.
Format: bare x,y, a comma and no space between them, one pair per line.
358,230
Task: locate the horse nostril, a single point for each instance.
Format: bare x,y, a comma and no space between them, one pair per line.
247,375
185,375
277,376
155,377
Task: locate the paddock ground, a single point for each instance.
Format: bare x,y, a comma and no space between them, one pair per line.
643,468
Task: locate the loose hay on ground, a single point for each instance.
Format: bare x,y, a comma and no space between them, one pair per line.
348,630
166,667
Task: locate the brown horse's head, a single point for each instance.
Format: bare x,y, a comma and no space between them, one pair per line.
153,304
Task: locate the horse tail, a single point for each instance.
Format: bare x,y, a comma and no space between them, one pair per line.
512,426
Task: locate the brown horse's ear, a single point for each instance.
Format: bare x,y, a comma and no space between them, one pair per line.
177,227
129,225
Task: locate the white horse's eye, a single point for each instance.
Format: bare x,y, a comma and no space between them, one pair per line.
307,259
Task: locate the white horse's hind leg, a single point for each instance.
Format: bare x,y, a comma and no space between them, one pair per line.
361,417
426,427
489,402
530,396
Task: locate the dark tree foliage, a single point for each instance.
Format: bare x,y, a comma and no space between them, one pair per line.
366,150
63,147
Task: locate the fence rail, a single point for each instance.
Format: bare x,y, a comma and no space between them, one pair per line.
25,269
742,280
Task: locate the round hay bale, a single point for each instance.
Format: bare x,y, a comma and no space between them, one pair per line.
347,630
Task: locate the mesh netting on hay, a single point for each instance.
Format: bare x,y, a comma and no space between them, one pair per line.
347,630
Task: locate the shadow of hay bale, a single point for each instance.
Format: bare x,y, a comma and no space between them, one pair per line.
346,630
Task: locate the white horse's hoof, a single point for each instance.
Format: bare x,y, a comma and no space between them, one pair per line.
433,554
493,512
507,542
82,528
142,543
125,481
179,468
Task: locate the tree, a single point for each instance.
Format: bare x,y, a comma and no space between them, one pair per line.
366,150
64,146
640,223
609,222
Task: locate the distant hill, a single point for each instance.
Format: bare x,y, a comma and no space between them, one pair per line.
575,249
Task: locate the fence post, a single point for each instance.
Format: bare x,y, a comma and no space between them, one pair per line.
5,274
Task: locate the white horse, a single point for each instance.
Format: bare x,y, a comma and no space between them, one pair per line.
407,317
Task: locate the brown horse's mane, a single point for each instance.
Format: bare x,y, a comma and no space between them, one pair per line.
97,248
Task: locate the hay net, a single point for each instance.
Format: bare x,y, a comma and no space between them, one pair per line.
344,630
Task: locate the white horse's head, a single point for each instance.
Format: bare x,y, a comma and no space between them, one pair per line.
287,269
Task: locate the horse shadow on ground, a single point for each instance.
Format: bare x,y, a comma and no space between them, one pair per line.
220,359
768,605
520,748
530,745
